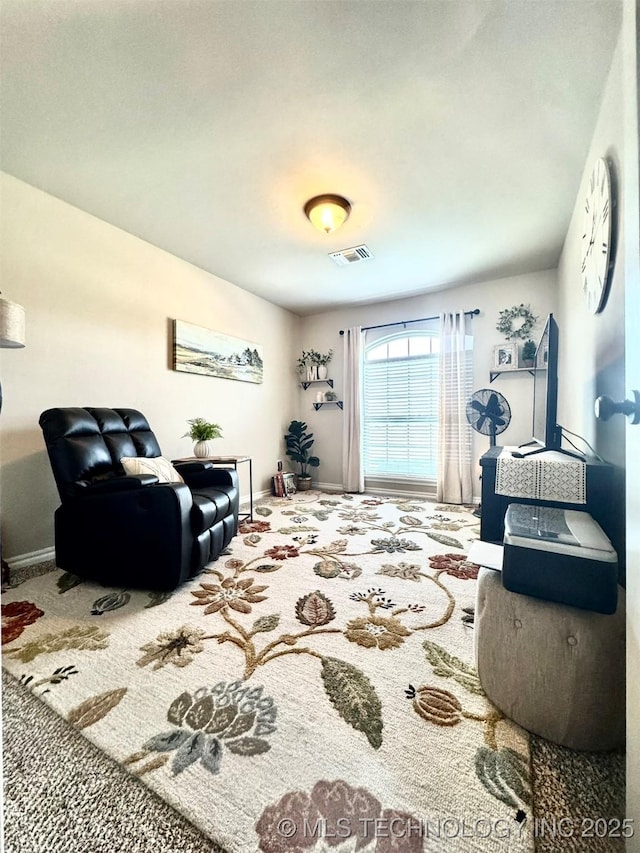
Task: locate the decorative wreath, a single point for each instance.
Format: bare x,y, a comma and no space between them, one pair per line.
521,331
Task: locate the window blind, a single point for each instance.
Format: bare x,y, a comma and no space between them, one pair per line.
400,434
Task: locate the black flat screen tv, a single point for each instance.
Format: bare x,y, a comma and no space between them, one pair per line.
546,431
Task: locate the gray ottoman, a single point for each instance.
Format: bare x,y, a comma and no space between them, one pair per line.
555,670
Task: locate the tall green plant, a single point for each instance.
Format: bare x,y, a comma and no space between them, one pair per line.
299,443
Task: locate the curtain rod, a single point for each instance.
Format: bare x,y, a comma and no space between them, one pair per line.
473,313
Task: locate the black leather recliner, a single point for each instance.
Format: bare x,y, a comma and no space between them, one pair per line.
132,531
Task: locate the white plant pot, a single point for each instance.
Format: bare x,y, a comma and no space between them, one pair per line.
202,449
323,371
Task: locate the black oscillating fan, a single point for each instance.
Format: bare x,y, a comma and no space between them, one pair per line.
488,413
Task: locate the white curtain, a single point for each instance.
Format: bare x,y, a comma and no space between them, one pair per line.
454,456
352,471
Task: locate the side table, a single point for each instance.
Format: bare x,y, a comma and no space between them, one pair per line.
224,462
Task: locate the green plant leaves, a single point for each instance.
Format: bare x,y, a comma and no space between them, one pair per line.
157,597
354,698
327,569
504,773
411,521
406,571
338,546
110,601
449,541
449,666
266,623
85,637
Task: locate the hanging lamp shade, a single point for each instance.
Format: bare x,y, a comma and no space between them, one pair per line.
11,324
327,212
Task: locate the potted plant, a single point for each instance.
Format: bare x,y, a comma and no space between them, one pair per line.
299,442
528,353
323,360
303,365
312,364
202,432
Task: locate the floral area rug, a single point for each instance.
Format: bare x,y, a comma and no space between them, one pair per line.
311,690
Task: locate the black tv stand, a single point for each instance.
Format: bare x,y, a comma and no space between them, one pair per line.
494,506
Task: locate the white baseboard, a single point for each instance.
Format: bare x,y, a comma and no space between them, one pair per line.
32,558
377,490
245,499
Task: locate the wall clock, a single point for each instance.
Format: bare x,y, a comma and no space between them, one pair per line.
596,238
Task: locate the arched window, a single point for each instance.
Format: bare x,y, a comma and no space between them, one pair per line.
400,436
401,406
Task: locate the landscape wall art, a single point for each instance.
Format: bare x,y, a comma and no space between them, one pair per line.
200,350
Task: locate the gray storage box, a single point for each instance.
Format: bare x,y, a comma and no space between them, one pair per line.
559,555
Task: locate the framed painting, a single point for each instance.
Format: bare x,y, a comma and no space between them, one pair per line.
200,350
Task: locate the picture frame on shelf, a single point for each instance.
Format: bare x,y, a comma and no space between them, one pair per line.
505,357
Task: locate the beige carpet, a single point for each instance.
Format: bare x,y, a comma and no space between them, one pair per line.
353,698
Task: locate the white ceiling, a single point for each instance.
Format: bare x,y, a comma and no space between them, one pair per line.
458,129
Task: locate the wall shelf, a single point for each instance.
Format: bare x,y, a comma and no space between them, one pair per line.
493,374
337,403
305,385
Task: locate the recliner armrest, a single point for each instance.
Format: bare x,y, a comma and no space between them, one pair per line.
191,467
201,478
115,484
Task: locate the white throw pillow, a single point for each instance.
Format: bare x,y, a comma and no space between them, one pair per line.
158,466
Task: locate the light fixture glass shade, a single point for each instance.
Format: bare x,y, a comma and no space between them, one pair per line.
11,324
327,212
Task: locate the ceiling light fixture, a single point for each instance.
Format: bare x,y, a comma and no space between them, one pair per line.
327,212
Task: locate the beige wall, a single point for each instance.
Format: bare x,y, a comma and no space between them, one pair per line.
592,347
98,304
630,211
321,332
595,354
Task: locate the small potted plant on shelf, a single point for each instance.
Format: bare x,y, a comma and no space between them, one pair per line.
323,360
299,442
528,353
304,365
202,432
312,365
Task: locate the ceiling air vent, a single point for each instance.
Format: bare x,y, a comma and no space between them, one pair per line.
350,256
